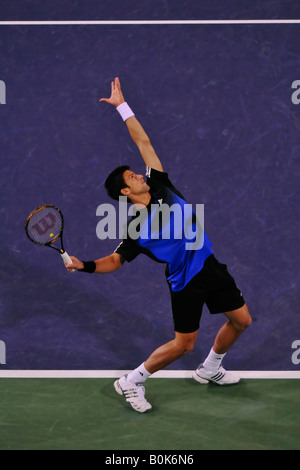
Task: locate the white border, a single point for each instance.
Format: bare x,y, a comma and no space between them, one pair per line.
164,374
145,22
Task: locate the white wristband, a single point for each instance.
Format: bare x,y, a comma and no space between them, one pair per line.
125,111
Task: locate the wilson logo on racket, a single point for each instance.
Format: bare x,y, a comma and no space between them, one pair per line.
44,226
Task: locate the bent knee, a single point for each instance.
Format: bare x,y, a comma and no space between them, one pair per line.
242,323
187,348
185,342
240,319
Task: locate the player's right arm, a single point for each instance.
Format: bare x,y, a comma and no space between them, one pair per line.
107,264
135,129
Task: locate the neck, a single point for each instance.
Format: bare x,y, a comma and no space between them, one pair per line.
142,199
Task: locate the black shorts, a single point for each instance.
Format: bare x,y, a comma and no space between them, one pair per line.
213,286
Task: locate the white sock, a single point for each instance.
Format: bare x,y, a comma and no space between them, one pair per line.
213,361
138,375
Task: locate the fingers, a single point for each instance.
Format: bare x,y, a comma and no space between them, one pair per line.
116,93
108,100
70,267
75,265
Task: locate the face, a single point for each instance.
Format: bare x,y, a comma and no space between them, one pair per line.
136,184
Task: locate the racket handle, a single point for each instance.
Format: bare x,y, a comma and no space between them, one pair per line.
66,258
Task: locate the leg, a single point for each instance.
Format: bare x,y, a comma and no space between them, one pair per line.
132,388
182,344
211,370
238,322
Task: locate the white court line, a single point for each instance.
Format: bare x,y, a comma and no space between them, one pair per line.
145,22
172,374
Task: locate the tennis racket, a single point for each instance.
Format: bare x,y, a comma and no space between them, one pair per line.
44,226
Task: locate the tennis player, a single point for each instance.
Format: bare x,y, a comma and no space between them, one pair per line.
194,275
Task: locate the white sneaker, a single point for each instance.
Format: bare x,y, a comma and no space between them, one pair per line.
134,394
220,377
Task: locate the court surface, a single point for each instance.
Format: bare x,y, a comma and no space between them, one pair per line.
86,414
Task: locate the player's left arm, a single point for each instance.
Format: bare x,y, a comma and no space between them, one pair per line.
107,264
137,132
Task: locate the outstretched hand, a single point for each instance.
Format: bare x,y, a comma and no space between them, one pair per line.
116,97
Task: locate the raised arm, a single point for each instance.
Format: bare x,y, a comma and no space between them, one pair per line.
135,129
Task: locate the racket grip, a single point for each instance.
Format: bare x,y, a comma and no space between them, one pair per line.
66,258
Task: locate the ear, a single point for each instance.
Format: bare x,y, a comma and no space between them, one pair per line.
125,191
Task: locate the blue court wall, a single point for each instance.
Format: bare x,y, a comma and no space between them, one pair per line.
216,101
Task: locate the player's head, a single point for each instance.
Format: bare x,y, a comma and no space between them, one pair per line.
115,182
122,181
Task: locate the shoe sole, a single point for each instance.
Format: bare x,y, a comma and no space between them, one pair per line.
118,388
199,379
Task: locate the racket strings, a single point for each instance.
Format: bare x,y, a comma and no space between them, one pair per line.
45,225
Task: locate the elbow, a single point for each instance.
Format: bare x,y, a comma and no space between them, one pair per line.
118,261
144,144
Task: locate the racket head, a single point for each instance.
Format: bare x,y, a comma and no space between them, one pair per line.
44,225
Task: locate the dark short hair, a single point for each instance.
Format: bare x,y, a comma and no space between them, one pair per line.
115,182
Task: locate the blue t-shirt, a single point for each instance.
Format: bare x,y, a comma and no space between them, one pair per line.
168,231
